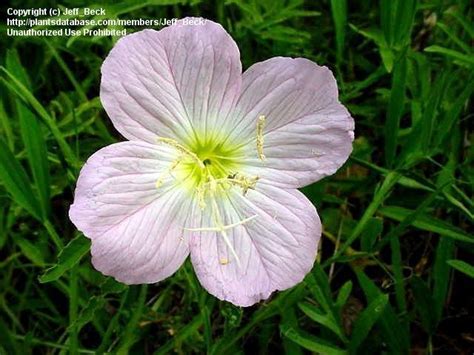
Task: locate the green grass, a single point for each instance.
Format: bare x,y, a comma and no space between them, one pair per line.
396,259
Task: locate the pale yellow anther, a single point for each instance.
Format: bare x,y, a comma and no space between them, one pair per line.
223,261
236,179
182,149
245,182
260,126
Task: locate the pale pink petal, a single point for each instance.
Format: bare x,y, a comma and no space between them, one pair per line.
276,249
308,133
136,228
174,83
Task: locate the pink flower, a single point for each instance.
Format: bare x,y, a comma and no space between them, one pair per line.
212,165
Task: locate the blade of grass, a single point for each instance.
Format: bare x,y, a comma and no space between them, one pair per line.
324,319
441,274
310,342
16,182
462,266
339,16
466,59
452,115
184,333
32,137
380,195
7,341
67,259
288,318
284,299
398,273
395,109
113,324
427,223
31,251
366,321
464,46
403,21
343,295
73,305
464,22
398,342
66,70
7,129
129,335
424,304
21,91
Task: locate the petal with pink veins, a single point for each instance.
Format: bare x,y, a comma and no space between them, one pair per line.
136,229
308,133
178,82
275,250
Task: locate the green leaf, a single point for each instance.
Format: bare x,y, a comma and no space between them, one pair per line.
424,304
441,274
185,332
339,16
366,321
398,273
426,223
462,266
324,319
372,230
343,295
452,115
31,251
15,180
17,88
387,14
397,19
403,22
464,46
377,36
380,195
67,259
465,59
318,284
388,58
87,314
112,286
32,137
399,341
6,127
463,21
288,317
395,109
310,342
7,341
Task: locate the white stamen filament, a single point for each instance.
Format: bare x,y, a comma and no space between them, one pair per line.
171,142
170,169
224,227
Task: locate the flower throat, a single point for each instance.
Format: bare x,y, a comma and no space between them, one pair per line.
208,170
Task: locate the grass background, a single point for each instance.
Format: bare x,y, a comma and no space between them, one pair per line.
395,272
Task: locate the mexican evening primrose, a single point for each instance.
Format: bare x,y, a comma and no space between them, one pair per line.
212,164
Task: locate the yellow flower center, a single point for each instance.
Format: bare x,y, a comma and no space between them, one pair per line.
208,168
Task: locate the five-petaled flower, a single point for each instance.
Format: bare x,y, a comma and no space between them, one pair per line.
212,165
